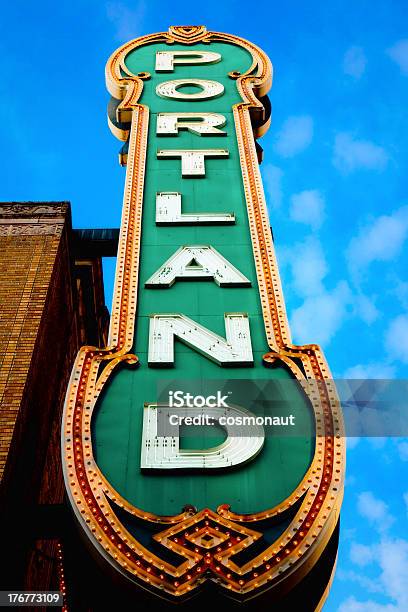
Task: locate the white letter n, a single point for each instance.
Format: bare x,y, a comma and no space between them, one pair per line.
234,350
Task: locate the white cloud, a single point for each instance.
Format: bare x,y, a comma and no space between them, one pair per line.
320,316
352,442
400,290
368,584
375,510
272,176
361,555
375,370
391,555
354,62
348,534
396,338
295,136
393,560
405,496
371,507
377,442
399,54
352,605
381,240
351,154
322,312
403,450
128,22
366,309
308,265
308,207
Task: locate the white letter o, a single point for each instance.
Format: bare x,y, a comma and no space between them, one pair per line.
209,89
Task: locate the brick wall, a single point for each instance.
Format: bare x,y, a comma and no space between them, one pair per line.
43,321
30,238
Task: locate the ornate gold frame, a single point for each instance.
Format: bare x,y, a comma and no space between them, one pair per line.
319,495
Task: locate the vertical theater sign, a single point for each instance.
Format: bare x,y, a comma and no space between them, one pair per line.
198,296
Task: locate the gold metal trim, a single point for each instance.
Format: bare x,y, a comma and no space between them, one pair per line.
322,487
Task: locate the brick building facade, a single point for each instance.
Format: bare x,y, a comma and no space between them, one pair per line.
51,303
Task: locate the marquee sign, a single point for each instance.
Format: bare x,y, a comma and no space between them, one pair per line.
198,296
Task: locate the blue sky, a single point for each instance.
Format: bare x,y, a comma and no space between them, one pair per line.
335,179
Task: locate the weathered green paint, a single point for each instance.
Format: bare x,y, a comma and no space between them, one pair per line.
117,424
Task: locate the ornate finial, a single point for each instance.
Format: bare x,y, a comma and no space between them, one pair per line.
187,34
